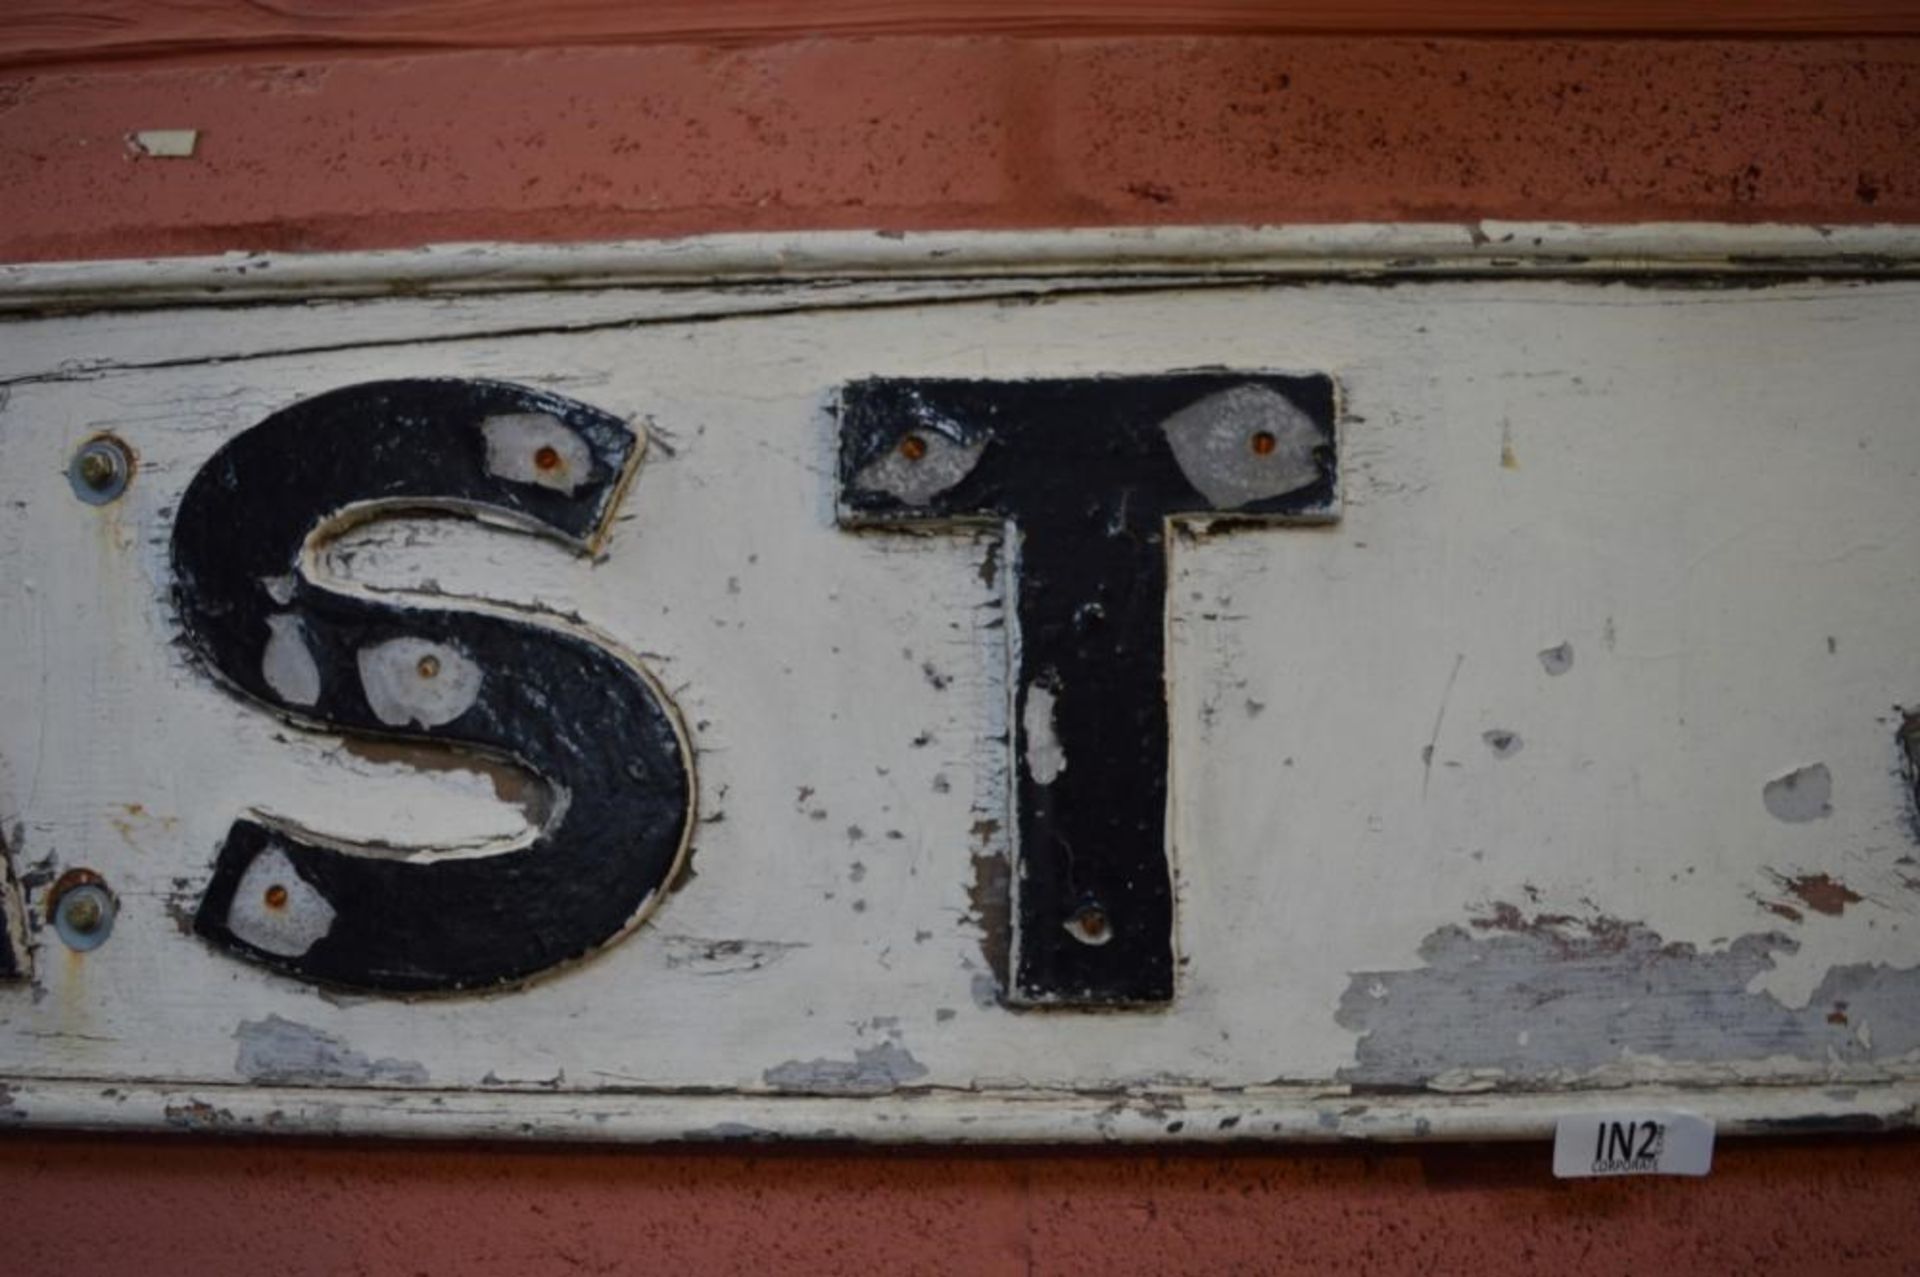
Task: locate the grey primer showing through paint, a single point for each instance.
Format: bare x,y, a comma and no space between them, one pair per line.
1801,795
872,1071
1538,1001
275,1050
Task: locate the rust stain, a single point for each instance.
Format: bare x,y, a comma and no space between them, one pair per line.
136,819
1822,893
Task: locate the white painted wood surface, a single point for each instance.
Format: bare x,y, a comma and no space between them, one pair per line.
1419,846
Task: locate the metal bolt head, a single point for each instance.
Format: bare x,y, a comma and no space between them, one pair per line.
97,470
100,470
82,909
83,912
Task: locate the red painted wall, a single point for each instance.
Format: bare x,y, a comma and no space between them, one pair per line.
362,152
330,144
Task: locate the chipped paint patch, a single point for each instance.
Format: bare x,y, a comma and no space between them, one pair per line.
1908,738
1557,660
1503,743
275,1050
1821,893
1553,999
1046,758
872,1071
198,1115
411,680
1804,794
288,664
700,956
164,144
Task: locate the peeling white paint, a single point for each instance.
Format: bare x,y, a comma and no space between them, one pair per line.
412,680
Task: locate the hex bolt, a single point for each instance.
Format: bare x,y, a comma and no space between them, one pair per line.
82,910
100,470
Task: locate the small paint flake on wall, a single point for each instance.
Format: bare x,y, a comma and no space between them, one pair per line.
168,144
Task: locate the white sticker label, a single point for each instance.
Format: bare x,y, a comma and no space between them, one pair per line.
1599,1144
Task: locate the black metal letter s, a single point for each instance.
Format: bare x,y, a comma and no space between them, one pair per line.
592,724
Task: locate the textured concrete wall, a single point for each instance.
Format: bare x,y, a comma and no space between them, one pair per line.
356,149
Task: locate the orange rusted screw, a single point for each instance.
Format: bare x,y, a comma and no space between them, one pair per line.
548,458
1264,443
1090,923
913,447
276,897
429,667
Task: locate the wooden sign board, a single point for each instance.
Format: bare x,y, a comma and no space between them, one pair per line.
1369,682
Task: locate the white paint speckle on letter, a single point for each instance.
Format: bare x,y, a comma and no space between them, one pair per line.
287,664
1046,757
